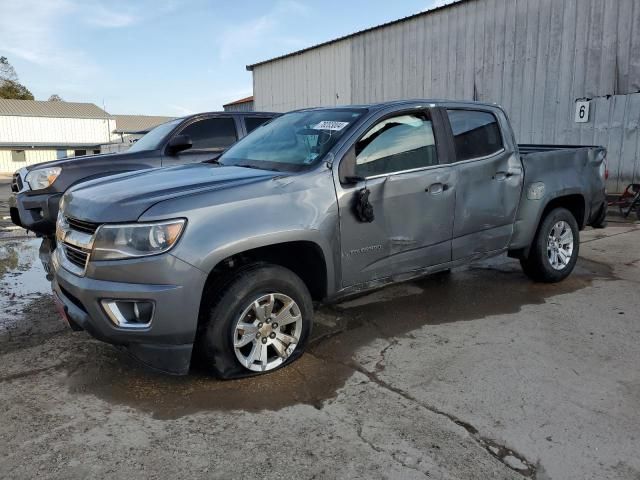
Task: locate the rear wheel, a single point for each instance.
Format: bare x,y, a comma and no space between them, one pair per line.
259,322
554,251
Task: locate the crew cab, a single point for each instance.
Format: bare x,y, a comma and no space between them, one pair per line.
37,189
227,259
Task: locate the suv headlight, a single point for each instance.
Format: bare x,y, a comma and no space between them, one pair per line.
42,177
115,242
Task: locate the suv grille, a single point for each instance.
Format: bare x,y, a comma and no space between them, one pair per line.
82,226
16,183
76,255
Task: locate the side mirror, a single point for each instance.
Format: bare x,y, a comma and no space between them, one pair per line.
179,143
347,169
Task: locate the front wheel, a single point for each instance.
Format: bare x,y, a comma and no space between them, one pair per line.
260,321
554,251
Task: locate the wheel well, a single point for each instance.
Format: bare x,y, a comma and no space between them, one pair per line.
303,258
573,203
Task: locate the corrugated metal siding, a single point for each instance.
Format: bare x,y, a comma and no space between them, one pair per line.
32,156
239,107
534,57
15,129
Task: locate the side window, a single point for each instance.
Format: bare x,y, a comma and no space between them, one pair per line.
254,122
211,133
396,144
475,134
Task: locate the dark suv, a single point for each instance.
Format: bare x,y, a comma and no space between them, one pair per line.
37,189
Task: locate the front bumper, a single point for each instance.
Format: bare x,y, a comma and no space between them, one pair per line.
35,212
167,343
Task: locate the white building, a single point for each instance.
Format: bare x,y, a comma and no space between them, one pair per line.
37,131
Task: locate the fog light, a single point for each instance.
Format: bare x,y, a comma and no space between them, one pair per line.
129,313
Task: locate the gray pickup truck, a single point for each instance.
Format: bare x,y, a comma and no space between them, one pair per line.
226,259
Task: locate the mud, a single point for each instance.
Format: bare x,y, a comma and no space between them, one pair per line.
483,290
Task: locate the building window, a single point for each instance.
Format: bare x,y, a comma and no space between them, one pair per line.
61,154
475,134
96,152
396,144
18,156
79,153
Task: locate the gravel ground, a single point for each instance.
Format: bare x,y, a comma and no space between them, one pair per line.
478,374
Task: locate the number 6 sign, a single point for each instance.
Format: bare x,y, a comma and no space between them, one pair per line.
582,111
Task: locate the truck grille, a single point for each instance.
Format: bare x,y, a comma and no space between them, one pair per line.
82,226
75,240
16,183
75,255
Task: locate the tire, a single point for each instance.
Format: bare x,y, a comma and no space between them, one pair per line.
226,309
550,261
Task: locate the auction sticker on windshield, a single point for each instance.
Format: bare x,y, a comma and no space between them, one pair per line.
330,125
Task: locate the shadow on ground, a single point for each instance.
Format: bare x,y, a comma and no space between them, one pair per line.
463,296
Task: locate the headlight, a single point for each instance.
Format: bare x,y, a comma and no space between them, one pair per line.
42,177
113,242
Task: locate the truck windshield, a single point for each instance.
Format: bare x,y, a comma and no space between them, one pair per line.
155,138
293,141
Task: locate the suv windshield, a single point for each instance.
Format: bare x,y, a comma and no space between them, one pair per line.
293,141
155,137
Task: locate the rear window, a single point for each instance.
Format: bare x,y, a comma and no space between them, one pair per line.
475,134
254,122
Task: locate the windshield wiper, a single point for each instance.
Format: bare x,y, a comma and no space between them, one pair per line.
248,165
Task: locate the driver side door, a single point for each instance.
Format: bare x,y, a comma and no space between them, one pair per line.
412,194
210,137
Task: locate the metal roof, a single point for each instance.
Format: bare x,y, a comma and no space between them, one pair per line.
354,34
242,100
138,123
39,108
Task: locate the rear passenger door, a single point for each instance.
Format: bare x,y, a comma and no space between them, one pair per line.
210,137
489,178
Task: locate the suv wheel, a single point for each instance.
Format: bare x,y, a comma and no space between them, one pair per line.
260,321
554,251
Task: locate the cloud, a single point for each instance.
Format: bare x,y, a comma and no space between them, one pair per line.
104,17
263,30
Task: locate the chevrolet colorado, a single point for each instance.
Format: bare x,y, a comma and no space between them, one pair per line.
36,189
226,259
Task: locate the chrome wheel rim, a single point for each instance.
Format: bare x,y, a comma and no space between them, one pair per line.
560,245
267,332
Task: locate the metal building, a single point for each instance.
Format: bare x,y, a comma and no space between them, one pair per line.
242,105
566,71
36,131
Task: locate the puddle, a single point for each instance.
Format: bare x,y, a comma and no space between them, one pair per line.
26,308
480,291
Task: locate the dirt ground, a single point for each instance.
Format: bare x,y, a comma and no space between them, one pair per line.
478,374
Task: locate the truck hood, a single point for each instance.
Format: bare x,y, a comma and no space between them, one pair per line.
124,197
84,158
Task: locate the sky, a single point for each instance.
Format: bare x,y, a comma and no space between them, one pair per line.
169,57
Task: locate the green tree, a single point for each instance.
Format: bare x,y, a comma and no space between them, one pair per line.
55,98
10,87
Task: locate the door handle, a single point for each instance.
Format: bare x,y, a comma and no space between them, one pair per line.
436,188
